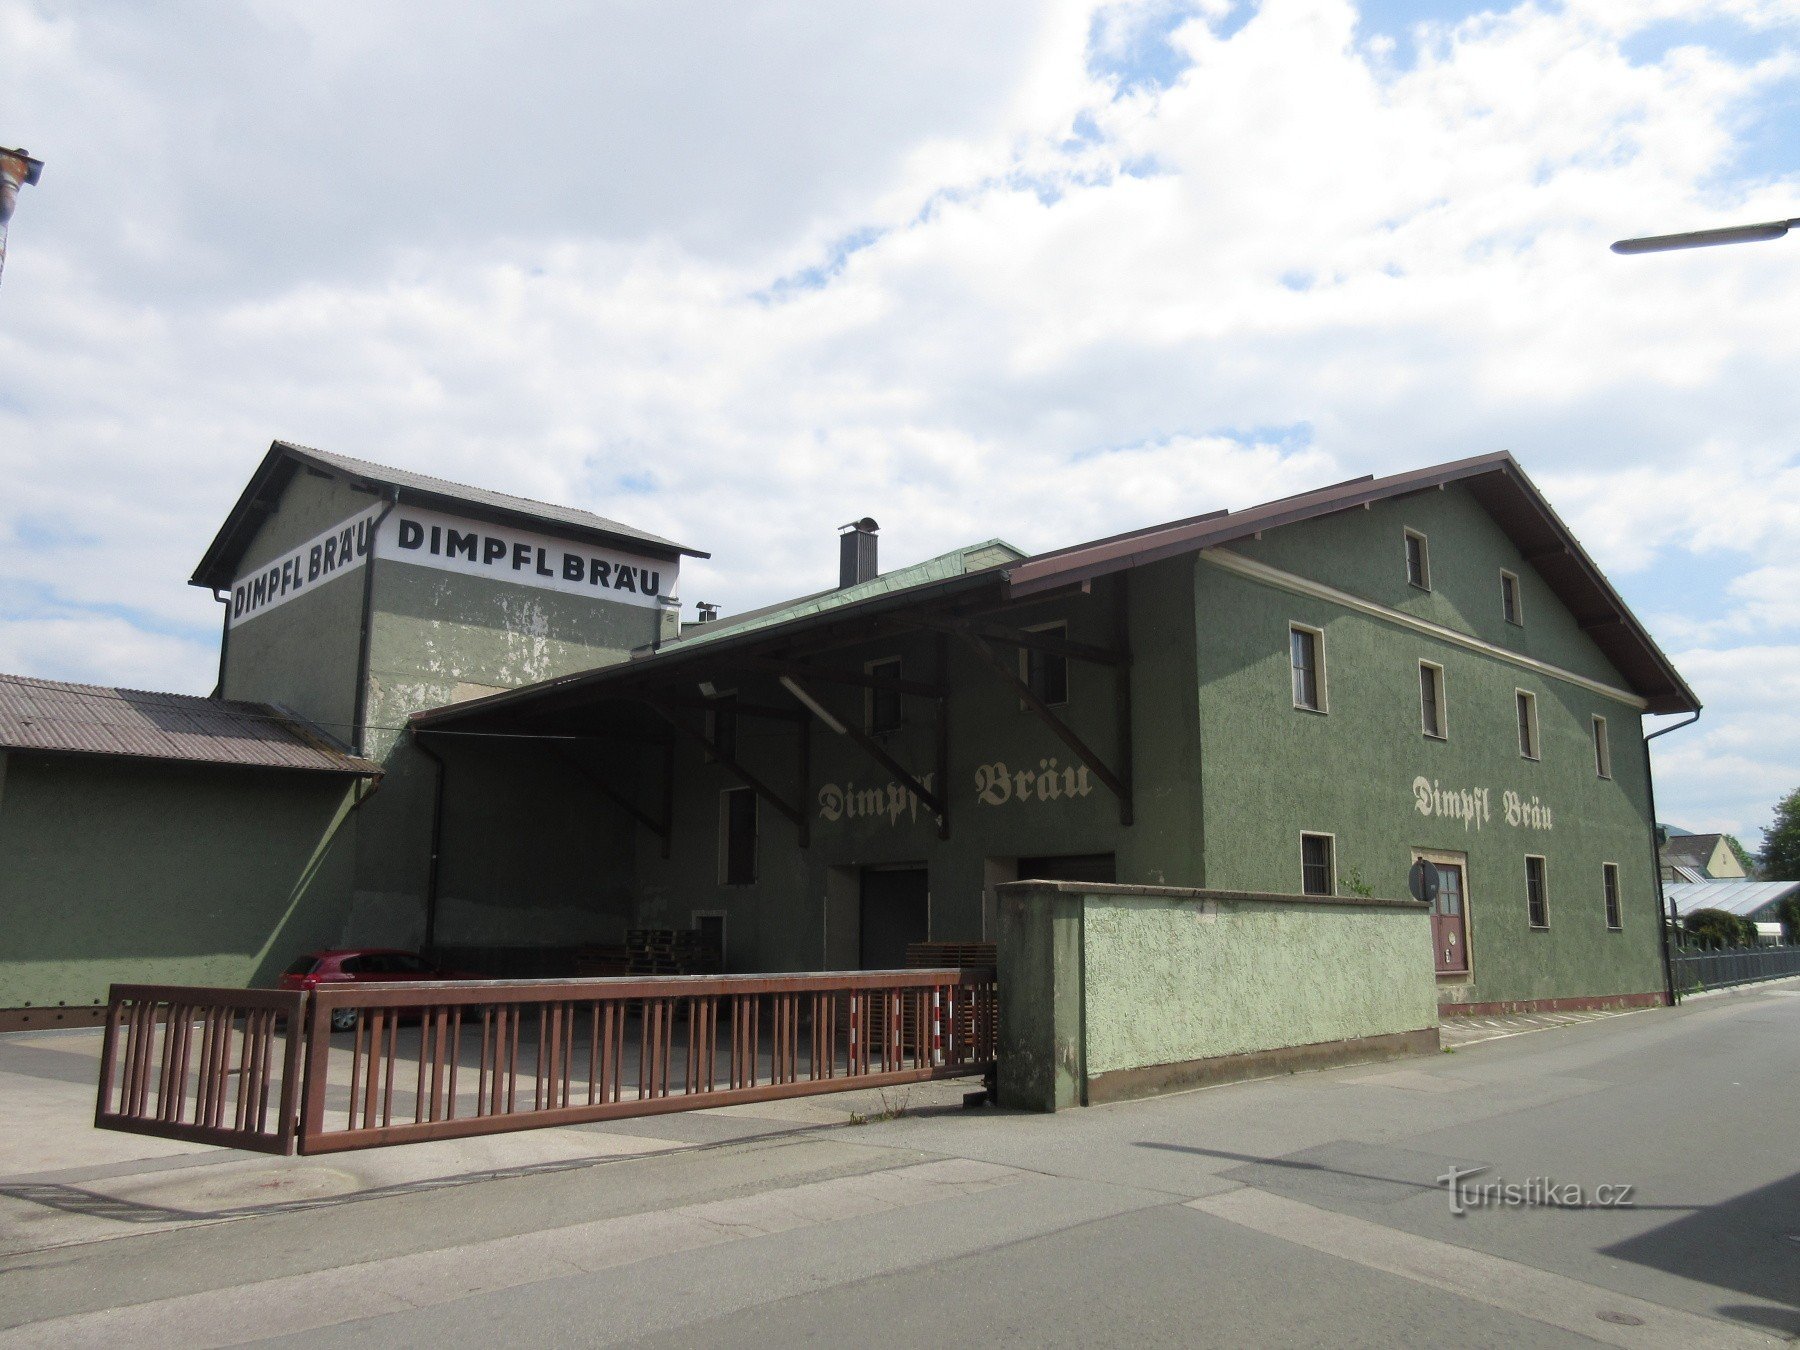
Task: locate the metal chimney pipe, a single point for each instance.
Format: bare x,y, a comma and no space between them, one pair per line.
856,552
17,169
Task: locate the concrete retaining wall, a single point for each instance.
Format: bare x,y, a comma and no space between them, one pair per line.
1123,991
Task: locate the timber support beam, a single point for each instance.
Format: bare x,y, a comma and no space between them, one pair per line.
737,770
1037,642
875,750
662,829
1120,786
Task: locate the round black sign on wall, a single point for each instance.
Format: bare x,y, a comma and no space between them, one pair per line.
1422,881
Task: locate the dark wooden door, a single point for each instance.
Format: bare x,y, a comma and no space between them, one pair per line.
1450,921
896,910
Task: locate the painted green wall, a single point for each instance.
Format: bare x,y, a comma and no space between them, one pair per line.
1104,980
1252,976
1271,771
151,872
530,857
780,922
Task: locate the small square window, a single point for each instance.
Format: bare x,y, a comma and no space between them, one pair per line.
1434,718
1537,893
1609,883
882,709
737,837
1509,599
1045,673
1602,750
1418,560
1306,657
1528,724
1318,866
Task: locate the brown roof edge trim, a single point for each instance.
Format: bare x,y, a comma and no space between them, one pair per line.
357,770
1158,542
1050,570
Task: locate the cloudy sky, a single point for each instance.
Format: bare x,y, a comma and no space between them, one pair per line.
739,273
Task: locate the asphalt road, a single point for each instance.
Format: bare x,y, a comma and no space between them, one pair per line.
1303,1210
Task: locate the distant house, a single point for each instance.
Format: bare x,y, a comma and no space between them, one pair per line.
1691,858
1757,901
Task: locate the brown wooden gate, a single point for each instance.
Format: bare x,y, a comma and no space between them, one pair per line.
263,1070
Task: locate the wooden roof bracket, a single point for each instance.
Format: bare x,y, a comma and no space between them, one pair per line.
1121,787
874,749
738,771
662,829
1042,642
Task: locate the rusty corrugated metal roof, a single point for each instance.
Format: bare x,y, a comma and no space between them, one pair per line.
53,716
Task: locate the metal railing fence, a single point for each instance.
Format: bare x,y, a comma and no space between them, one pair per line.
420,1061
1699,968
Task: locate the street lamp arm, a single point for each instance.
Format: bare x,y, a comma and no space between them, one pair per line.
1731,234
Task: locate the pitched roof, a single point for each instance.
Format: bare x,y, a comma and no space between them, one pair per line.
219,567
1742,898
1496,482
1691,848
56,717
971,565
956,563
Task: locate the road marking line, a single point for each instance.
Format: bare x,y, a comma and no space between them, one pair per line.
295,1303
1554,1300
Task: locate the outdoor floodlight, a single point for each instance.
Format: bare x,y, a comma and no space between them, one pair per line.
17,169
1731,234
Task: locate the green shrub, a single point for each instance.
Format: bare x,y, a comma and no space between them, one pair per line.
1790,918
1713,928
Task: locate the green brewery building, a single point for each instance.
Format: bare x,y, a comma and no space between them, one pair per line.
1304,697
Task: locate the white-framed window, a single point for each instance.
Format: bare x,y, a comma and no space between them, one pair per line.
1526,704
1512,608
1318,864
737,837
1609,890
882,709
1537,891
1046,674
1602,749
1418,559
1306,660
1434,714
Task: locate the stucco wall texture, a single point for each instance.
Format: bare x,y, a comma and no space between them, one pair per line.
1172,980
158,873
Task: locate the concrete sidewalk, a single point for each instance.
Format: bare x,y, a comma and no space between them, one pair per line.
1301,1210
62,1182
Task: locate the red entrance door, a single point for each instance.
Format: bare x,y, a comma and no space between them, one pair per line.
1449,921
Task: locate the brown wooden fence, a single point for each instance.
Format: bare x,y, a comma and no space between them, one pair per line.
214,1066
411,1062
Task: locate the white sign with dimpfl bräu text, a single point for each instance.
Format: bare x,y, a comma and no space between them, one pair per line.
476,548
343,548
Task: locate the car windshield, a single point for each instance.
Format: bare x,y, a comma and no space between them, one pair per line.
303,965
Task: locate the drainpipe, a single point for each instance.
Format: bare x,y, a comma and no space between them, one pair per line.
224,598
437,843
1662,918
362,642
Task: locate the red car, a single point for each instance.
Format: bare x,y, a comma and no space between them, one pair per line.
388,965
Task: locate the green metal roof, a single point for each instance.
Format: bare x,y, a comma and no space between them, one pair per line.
946,566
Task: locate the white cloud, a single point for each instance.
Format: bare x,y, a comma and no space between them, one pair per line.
546,251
